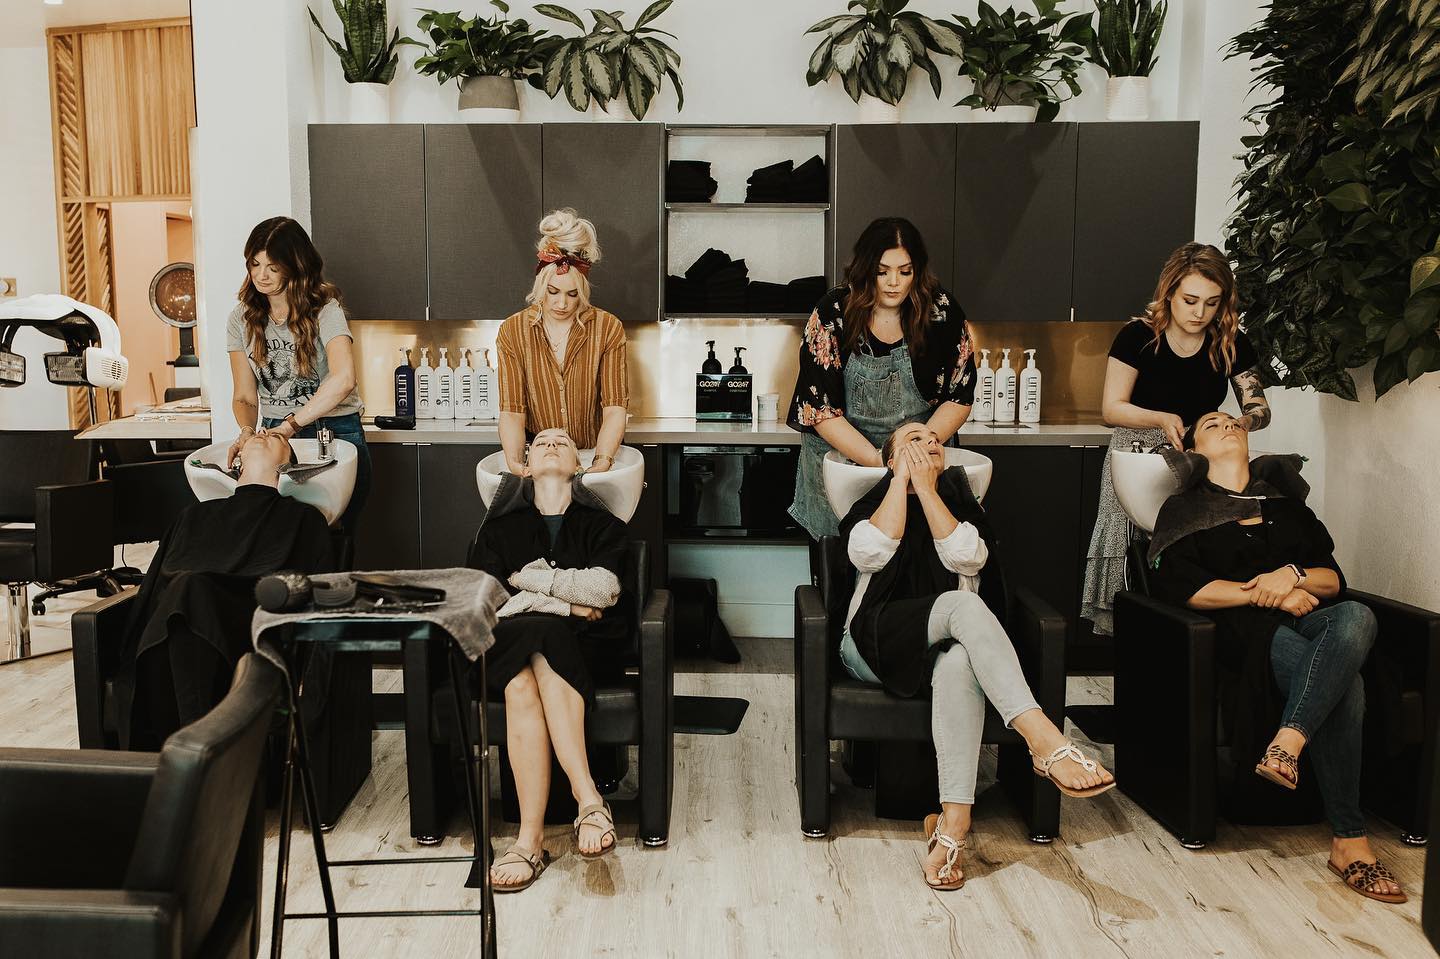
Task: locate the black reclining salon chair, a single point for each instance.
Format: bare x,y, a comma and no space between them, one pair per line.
830,705
48,479
140,854
637,711
1165,694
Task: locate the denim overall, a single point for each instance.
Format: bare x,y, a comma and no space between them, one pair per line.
880,396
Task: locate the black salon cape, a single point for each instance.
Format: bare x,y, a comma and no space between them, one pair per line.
512,536
190,625
1251,703
891,626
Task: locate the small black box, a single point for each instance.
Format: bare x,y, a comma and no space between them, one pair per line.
723,396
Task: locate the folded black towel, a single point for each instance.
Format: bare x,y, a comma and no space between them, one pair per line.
786,183
709,262
689,181
805,292
810,183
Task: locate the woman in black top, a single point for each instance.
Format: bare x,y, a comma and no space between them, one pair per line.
1166,370
887,348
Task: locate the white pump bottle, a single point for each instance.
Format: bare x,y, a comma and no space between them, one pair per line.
1030,390
487,391
424,387
444,387
465,388
984,409
1005,390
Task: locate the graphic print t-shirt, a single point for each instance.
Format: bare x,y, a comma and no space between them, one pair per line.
281,388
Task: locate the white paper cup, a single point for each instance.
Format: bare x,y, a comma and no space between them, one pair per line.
767,407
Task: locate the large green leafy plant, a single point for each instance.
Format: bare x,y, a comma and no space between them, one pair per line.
479,47
873,51
1023,58
1335,232
366,57
609,61
1126,35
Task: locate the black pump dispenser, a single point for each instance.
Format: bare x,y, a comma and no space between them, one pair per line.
712,362
739,366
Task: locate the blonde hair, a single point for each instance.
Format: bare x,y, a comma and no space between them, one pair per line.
1199,259
569,232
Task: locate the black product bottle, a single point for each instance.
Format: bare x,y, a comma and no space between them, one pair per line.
404,386
712,362
739,366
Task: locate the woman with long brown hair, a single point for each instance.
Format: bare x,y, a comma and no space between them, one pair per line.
1167,369
291,353
888,347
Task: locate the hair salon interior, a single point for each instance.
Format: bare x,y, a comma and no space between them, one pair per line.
905,477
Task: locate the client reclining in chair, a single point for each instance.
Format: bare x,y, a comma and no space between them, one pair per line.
920,542
562,555
190,623
1239,543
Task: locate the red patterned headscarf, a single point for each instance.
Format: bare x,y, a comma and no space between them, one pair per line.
563,260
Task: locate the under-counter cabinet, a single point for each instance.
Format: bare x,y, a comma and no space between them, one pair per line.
389,528
450,504
367,204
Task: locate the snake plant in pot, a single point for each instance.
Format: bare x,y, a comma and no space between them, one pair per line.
1020,59
609,61
488,56
367,58
1126,36
874,50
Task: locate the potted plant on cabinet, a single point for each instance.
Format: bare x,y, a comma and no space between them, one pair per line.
1126,36
367,59
1021,63
873,52
488,56
609,62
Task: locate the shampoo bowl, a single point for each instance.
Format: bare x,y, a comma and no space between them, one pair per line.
328,490
845,482
618,487
1143,482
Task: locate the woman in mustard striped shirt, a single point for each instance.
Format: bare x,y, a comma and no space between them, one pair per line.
562,360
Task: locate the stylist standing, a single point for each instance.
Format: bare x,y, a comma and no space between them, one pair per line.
292,356
1167,369
562,359
887,348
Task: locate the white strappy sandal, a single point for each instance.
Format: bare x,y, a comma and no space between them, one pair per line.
948,881
1070,751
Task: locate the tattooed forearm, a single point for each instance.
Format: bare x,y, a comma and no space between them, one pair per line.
1250,394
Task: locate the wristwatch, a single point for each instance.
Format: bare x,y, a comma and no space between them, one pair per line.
1299,572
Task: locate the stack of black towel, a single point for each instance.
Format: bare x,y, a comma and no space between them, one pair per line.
786,183
689,181
717,284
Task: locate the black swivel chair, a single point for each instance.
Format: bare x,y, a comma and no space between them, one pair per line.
639,710
1165,694
48,479
140,854
830,705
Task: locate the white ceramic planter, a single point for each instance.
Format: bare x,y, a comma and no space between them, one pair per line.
878,111
1011,113
1127,98
617,111
490,100
369,102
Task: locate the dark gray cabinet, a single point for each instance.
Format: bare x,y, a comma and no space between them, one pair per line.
451,508
389,527
1134,204
1014,221
482,202
367,206
610,174
905,170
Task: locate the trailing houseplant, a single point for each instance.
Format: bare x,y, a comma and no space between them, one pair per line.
874,50
1023,59
487,56
1127,34
1335,238
609,61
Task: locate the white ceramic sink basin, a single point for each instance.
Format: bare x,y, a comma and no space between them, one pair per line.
328,490
845,482
618,487
1143,482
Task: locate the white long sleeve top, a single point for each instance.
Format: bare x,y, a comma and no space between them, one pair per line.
962,552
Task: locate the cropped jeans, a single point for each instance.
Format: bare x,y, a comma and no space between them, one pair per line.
979,664
1317,661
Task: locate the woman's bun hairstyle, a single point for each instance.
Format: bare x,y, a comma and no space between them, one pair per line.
568,230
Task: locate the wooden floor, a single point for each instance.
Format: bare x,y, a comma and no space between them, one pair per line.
738,880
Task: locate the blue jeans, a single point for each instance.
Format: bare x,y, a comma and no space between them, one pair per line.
1317,662
346,428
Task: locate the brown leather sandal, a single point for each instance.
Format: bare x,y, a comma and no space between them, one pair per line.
1361,876
596,815
1277,777
1070,751
946,874
536,862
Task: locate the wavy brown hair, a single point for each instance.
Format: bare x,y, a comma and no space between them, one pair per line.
1204,260
884,234
288,246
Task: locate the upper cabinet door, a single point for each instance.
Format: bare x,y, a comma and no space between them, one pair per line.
1135,203
905,170
367,205
1014,220
482,200
610,174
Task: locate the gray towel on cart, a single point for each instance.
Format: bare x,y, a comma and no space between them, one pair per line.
472,599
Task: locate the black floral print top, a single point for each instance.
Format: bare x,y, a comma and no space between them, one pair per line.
944,367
